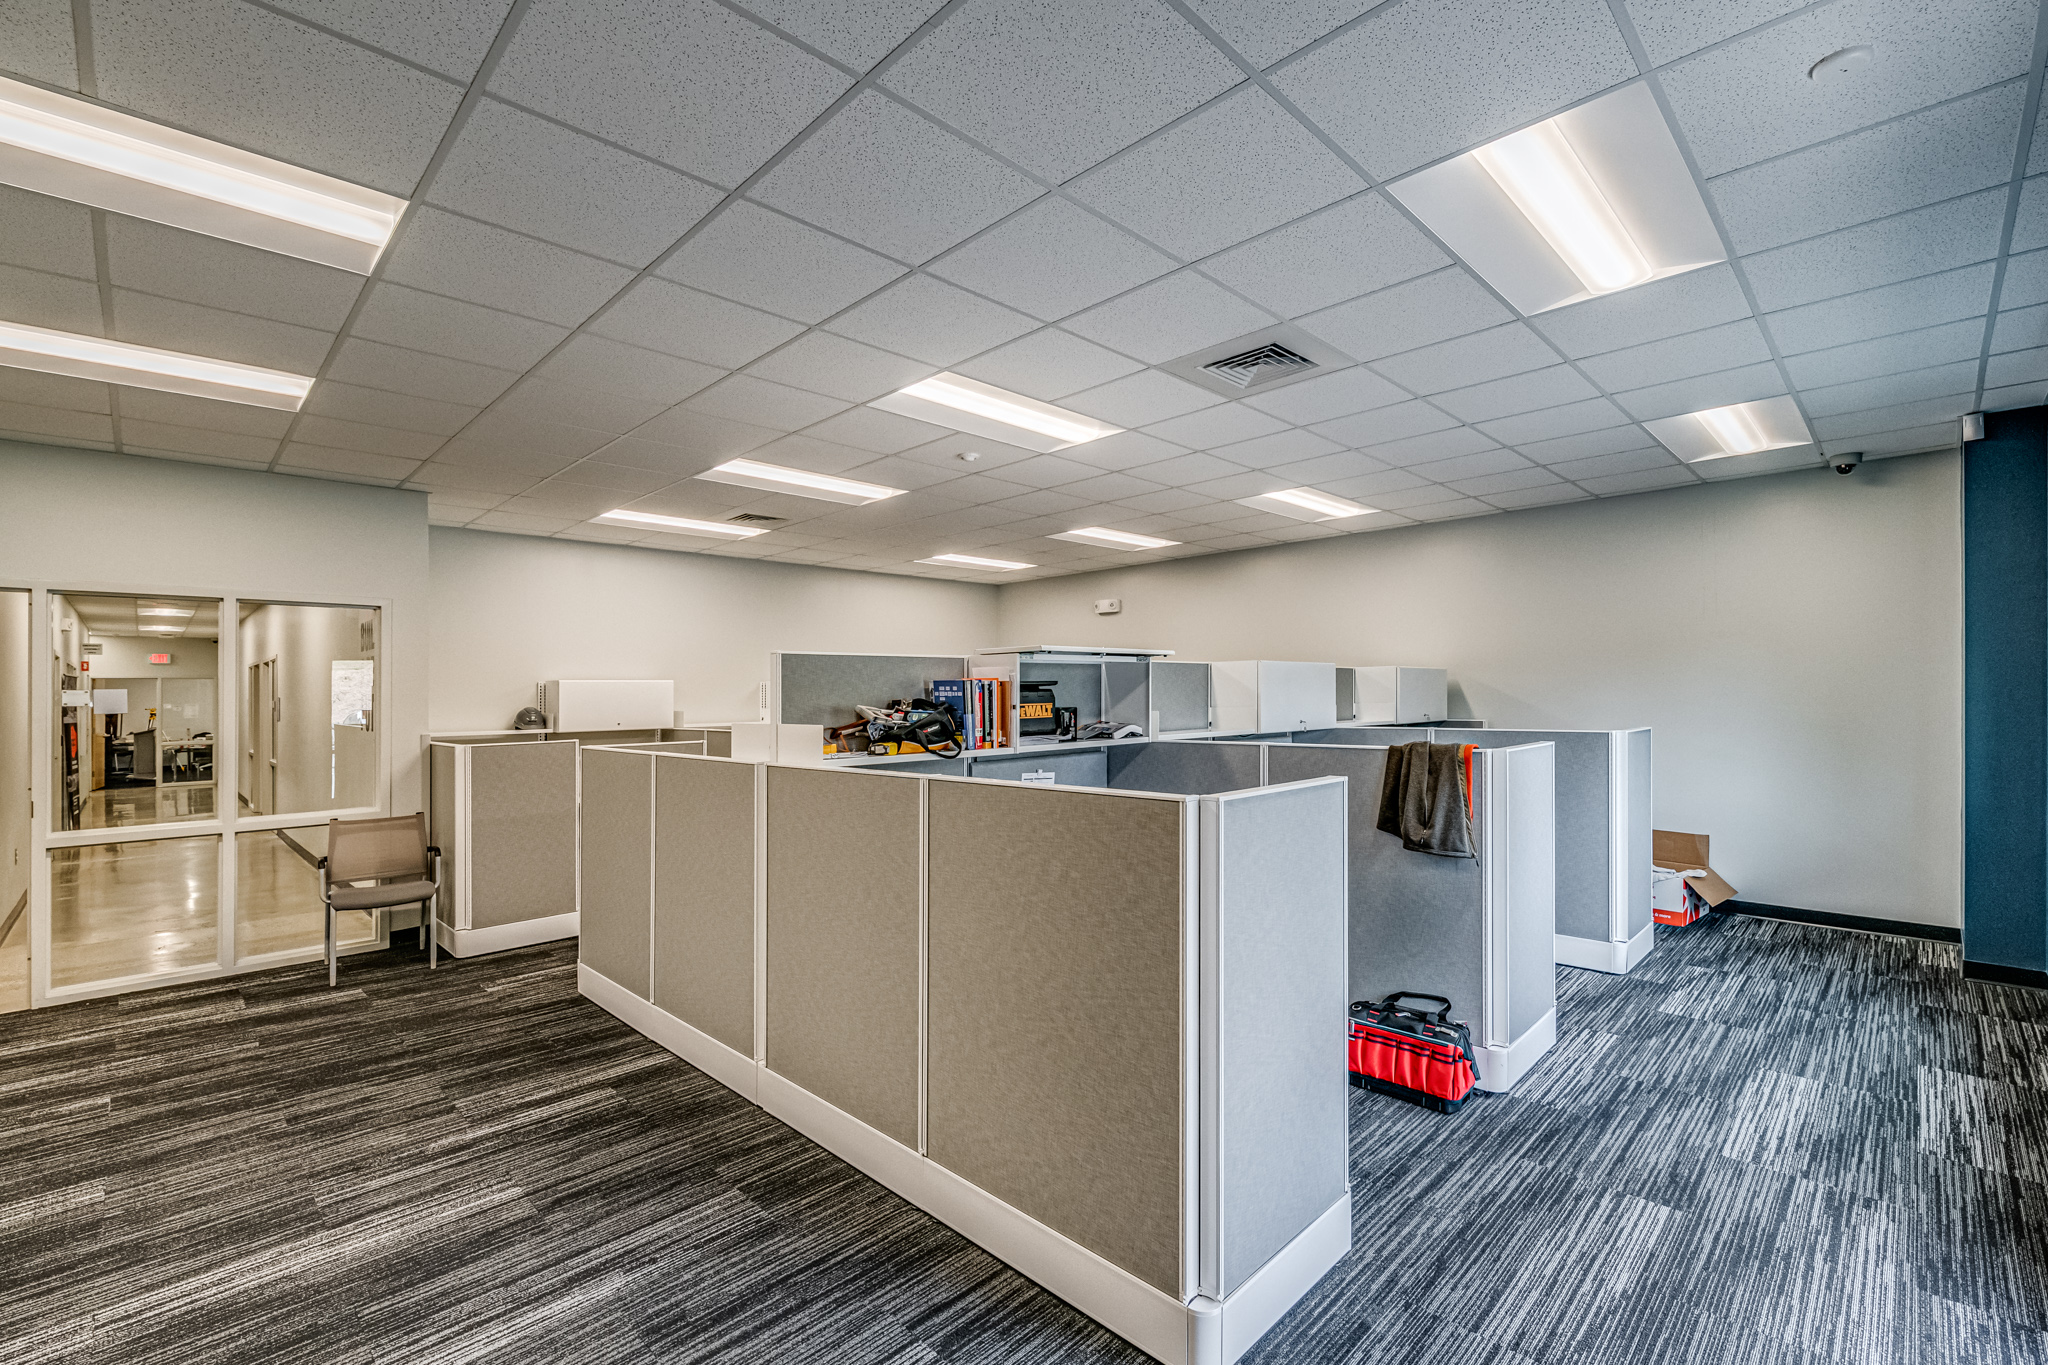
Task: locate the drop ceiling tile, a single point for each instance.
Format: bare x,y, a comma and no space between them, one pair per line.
366,464
1920,242
773,262
744,398
2014,367
1401,318
1436,445
377,366
1171,500
858,35
1282,447
522,523
893,471
930,320
950,453
683,322
1492,354
36,389
1239,167
1052,258
403,316
1751,98
1491,486
1936,154
1883,311
451,36
808,452
33,420
1663,308
1338,394
1939,436
893,181
525,173
443,254
1125,450
1480,464
1390,423
1337,253
557,499
1247,484
1112,488
1743,385
1264,33
2020,328
1656,362
1048,365
585,475
1618,462
1182,470
437,476
1049,471
518,469
1451,511
1345,464
1561,449
518,436
1058,85
175,326
1371,487
462,500
1888,355
1568,419
687,82
258,80
985,489
1763,462
2026,281
39,42
832,365
1140,399
2030,229
885,433
1042,503
1422,495
538,399
35,298
697,434
1894,417
1516,394
337,434
1545,496
1169,318
1644,481
1670,29
1491,65
1217,426
382,408
1956,377
40,233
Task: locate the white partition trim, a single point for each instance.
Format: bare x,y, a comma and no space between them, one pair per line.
924,963
1490,801
518,934
1638,948
1601,956
732,1069
761,912
463,880
1280,1283
1617,842
1193,872
1500,1067
1209,1093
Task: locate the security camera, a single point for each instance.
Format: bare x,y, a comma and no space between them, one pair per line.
1846,461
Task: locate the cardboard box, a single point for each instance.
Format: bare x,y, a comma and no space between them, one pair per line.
1682,886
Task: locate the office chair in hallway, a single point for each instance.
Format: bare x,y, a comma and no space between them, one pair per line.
391,853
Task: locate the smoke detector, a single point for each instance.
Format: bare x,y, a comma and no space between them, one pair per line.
1263,360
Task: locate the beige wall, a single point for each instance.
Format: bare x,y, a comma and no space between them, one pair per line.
1795,642
512,611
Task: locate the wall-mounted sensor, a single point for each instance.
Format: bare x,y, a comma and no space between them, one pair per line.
1846,462
1837,65
1108,606
1973,426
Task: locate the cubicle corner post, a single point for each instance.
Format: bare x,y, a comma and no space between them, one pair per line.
1517,841
1632,815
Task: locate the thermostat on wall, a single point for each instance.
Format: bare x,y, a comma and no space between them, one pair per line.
1108,606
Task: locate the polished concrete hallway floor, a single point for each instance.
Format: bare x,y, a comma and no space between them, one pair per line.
1770,1144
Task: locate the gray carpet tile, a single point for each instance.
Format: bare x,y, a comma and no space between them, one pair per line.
1770,1145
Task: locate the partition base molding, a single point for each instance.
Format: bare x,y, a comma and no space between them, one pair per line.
1600,955
1501,1067
518,934
734,1070
1279,1284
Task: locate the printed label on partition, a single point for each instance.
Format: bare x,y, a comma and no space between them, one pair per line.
1042,779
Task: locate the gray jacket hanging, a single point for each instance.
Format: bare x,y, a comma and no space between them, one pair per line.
1424,799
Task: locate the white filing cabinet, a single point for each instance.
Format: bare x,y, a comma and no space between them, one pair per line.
1269,694
583,704
1401,696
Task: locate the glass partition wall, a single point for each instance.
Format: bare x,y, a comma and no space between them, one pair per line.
195,750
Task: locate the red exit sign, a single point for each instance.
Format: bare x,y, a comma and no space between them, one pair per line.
159,658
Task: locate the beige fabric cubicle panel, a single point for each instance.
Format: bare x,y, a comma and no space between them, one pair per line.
618,796
843,941
522,832
1054,1053
441,826
704,896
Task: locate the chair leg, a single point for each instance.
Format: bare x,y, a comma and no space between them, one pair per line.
330,945
434,932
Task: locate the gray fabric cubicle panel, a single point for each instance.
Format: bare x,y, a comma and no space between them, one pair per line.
442,830
823,689
606,736
1127,688
1417,921
1180,694
1281,932
1054,1037
1532,875
704,896
842,941
944,767
1461,725
1641,817
1347,694
522,832
618,806
1184,769
1360,734
1088,768
1584,802
673,746
1075,685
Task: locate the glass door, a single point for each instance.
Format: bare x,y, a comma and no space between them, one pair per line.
17,846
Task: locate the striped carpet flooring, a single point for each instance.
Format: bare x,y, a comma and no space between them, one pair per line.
1771,1143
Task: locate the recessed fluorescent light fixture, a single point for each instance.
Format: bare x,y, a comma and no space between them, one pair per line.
975,562
1595,200
145,367
73,149
1115,540
1306,504
682,525
802,482
1735,429
951,400
163,611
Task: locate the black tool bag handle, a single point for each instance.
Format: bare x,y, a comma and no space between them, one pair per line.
1442,1016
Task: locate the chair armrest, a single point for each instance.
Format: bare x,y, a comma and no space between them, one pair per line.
433,849
320,866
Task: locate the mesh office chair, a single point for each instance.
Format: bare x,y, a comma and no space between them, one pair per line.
391,853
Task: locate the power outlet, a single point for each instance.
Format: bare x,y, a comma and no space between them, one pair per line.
1108,606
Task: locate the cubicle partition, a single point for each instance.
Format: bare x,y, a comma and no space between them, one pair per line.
504,814
1098,1032
1604,818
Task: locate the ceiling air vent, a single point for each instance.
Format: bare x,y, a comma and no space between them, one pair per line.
754,519
1252,364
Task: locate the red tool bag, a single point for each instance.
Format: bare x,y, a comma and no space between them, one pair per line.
1412,1055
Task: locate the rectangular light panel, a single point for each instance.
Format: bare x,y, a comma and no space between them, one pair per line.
145,367
975,562
681,525
801,482
1306,504
952,400
1733,429
73,149
1114,540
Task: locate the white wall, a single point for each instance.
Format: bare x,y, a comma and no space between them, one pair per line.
318,766
1795,641
511,611
14,749
127,656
